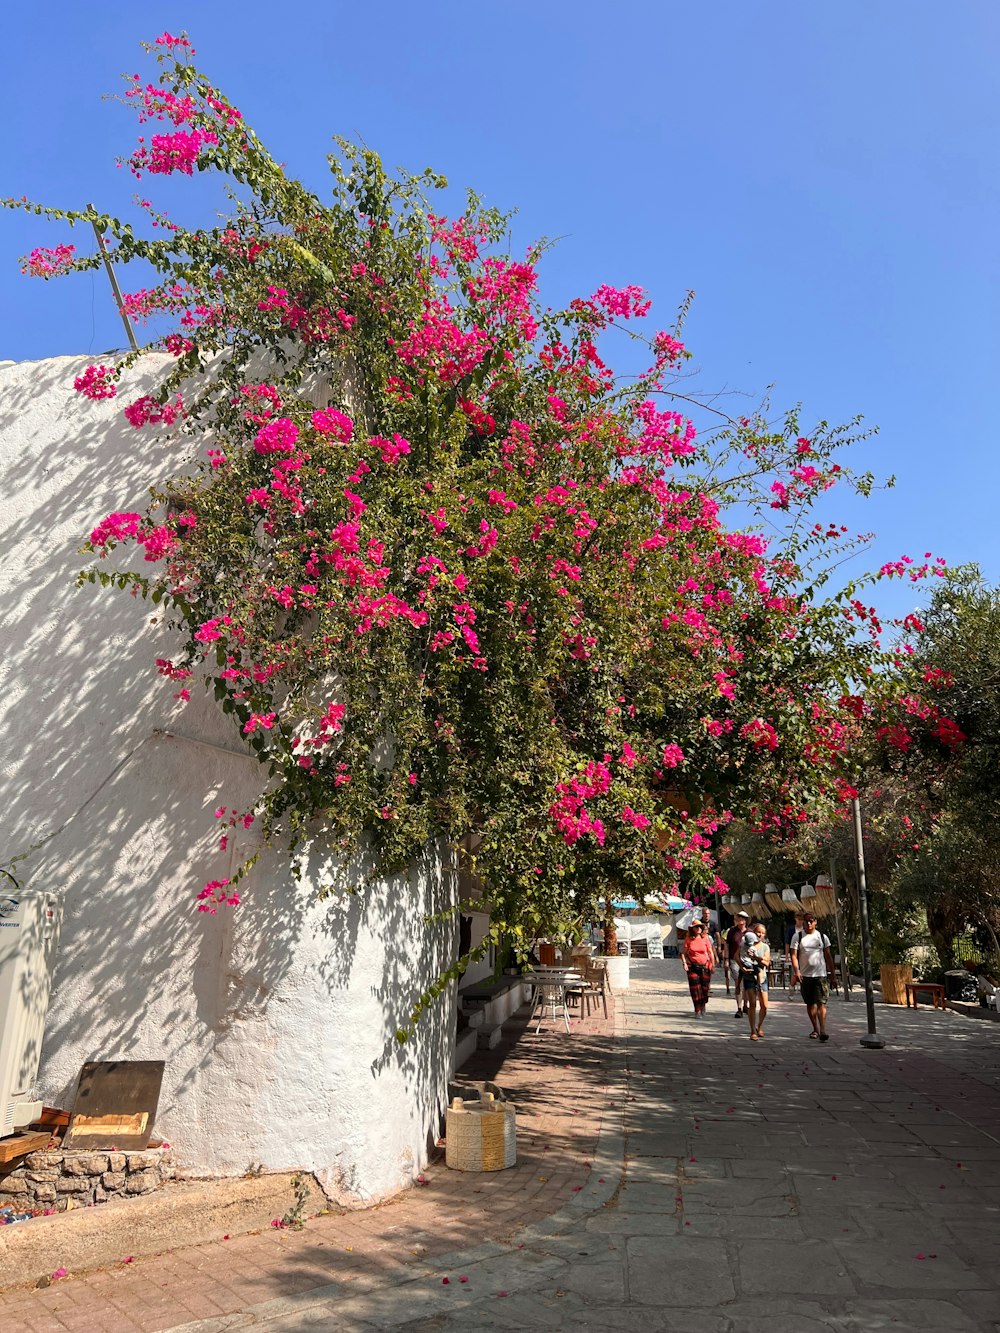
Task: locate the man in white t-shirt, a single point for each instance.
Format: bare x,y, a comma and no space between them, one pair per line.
812,965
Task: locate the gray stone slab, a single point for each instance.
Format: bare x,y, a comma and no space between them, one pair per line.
652,1143
731,1197
657,1267
914,1314
581,1244
645,1319
323,1316
605,1277
651,1197
895,1263
615,1222
729,1225
793,1317
981,1305
848,1190
767,1269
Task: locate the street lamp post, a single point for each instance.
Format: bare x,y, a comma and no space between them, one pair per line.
872,1040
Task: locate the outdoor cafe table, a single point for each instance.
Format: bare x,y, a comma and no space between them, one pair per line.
564,979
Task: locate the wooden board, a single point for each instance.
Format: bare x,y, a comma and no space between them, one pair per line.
115,1105
17,1145
52,1117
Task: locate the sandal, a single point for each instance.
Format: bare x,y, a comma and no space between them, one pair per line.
814,1035
754,1037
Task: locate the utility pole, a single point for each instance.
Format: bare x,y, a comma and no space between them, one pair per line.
112,278
872,1041
845,971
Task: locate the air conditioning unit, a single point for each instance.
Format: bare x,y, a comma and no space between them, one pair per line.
29,933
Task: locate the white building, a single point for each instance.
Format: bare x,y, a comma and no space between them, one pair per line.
277,1021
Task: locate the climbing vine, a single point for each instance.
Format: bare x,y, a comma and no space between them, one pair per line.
451,577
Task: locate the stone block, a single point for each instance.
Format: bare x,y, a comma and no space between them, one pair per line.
142,1182
87,1164
142,1161
99,1194
13,1185
44,1192
41,1161
116,1161
45,1173
73,1185
486,1041
113,1181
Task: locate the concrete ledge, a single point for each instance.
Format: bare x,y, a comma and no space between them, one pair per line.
180,1214
465,1046
496,1002
973,1010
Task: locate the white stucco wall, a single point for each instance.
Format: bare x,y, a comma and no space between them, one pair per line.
276,1021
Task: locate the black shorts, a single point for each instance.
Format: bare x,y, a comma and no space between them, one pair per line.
755,981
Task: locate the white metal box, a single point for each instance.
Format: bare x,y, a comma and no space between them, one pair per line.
29,934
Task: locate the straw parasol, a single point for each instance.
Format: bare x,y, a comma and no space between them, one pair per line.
809,900
826,900
772,896
790,901
759,909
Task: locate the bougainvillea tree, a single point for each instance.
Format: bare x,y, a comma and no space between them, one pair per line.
452,578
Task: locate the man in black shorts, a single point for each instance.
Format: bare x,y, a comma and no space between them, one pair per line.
812,966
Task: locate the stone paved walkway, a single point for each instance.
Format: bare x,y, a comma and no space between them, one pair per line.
672,1176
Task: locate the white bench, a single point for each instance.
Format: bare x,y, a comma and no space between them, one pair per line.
489,1005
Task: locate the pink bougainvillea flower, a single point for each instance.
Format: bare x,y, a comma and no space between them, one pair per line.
97,382
46,263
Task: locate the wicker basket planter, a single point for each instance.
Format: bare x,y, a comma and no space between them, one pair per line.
480,1136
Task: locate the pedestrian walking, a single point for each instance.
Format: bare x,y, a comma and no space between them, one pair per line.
700,959
722,951
755,961
711,929
791,931
812,966
734,947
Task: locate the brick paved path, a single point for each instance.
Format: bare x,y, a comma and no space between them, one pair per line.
733,1187
559,1085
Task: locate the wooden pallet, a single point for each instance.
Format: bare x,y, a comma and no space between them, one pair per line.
20,1144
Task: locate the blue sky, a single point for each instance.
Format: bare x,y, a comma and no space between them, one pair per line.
824,176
